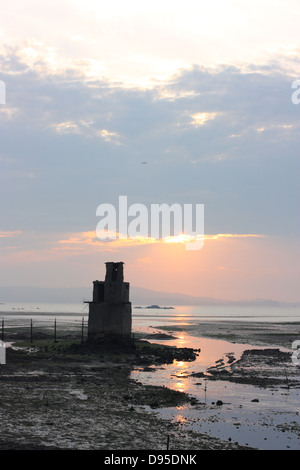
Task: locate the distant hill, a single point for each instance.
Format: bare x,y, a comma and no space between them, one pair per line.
138,296
147,296
143,296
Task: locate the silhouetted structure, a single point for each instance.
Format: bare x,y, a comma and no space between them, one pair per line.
110,310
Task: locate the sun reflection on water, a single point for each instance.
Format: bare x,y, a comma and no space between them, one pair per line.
179,386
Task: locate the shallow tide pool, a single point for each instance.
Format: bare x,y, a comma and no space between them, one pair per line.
264,418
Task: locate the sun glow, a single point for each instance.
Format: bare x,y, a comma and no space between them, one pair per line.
182,238
116,241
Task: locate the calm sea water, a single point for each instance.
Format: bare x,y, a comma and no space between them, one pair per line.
144,317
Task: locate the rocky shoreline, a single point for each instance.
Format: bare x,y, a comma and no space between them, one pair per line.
73,396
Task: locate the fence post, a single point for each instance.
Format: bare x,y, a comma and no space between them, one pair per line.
55,330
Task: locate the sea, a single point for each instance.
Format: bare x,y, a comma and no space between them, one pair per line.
145,316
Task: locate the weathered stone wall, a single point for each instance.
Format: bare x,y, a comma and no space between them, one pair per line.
109,320
110,311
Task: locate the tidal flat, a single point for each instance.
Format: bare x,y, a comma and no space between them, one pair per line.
246,381
69,395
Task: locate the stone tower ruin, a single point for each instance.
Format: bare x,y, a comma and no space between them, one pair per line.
110,310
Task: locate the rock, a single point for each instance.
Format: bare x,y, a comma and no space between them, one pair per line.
255,400
219,403
198,374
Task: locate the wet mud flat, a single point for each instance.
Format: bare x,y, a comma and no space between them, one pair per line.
251,395
265,411
281,334
268,367
70,396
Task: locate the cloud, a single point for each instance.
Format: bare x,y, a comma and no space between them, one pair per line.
108,136
66,127
9,234
139,43
203,98
34,247
114,241
199,119
226,137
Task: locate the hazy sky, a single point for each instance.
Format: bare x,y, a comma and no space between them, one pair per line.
200,91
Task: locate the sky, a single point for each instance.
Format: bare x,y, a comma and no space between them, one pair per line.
163,102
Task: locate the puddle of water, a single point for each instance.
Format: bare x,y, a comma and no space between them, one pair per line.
173,375
270,422
79,394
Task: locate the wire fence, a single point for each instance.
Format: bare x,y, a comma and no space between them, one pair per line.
29,329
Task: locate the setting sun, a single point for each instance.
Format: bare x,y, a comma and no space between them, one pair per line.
182,238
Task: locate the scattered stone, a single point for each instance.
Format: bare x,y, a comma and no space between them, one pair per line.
198,374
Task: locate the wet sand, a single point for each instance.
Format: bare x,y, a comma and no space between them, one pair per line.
277,334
